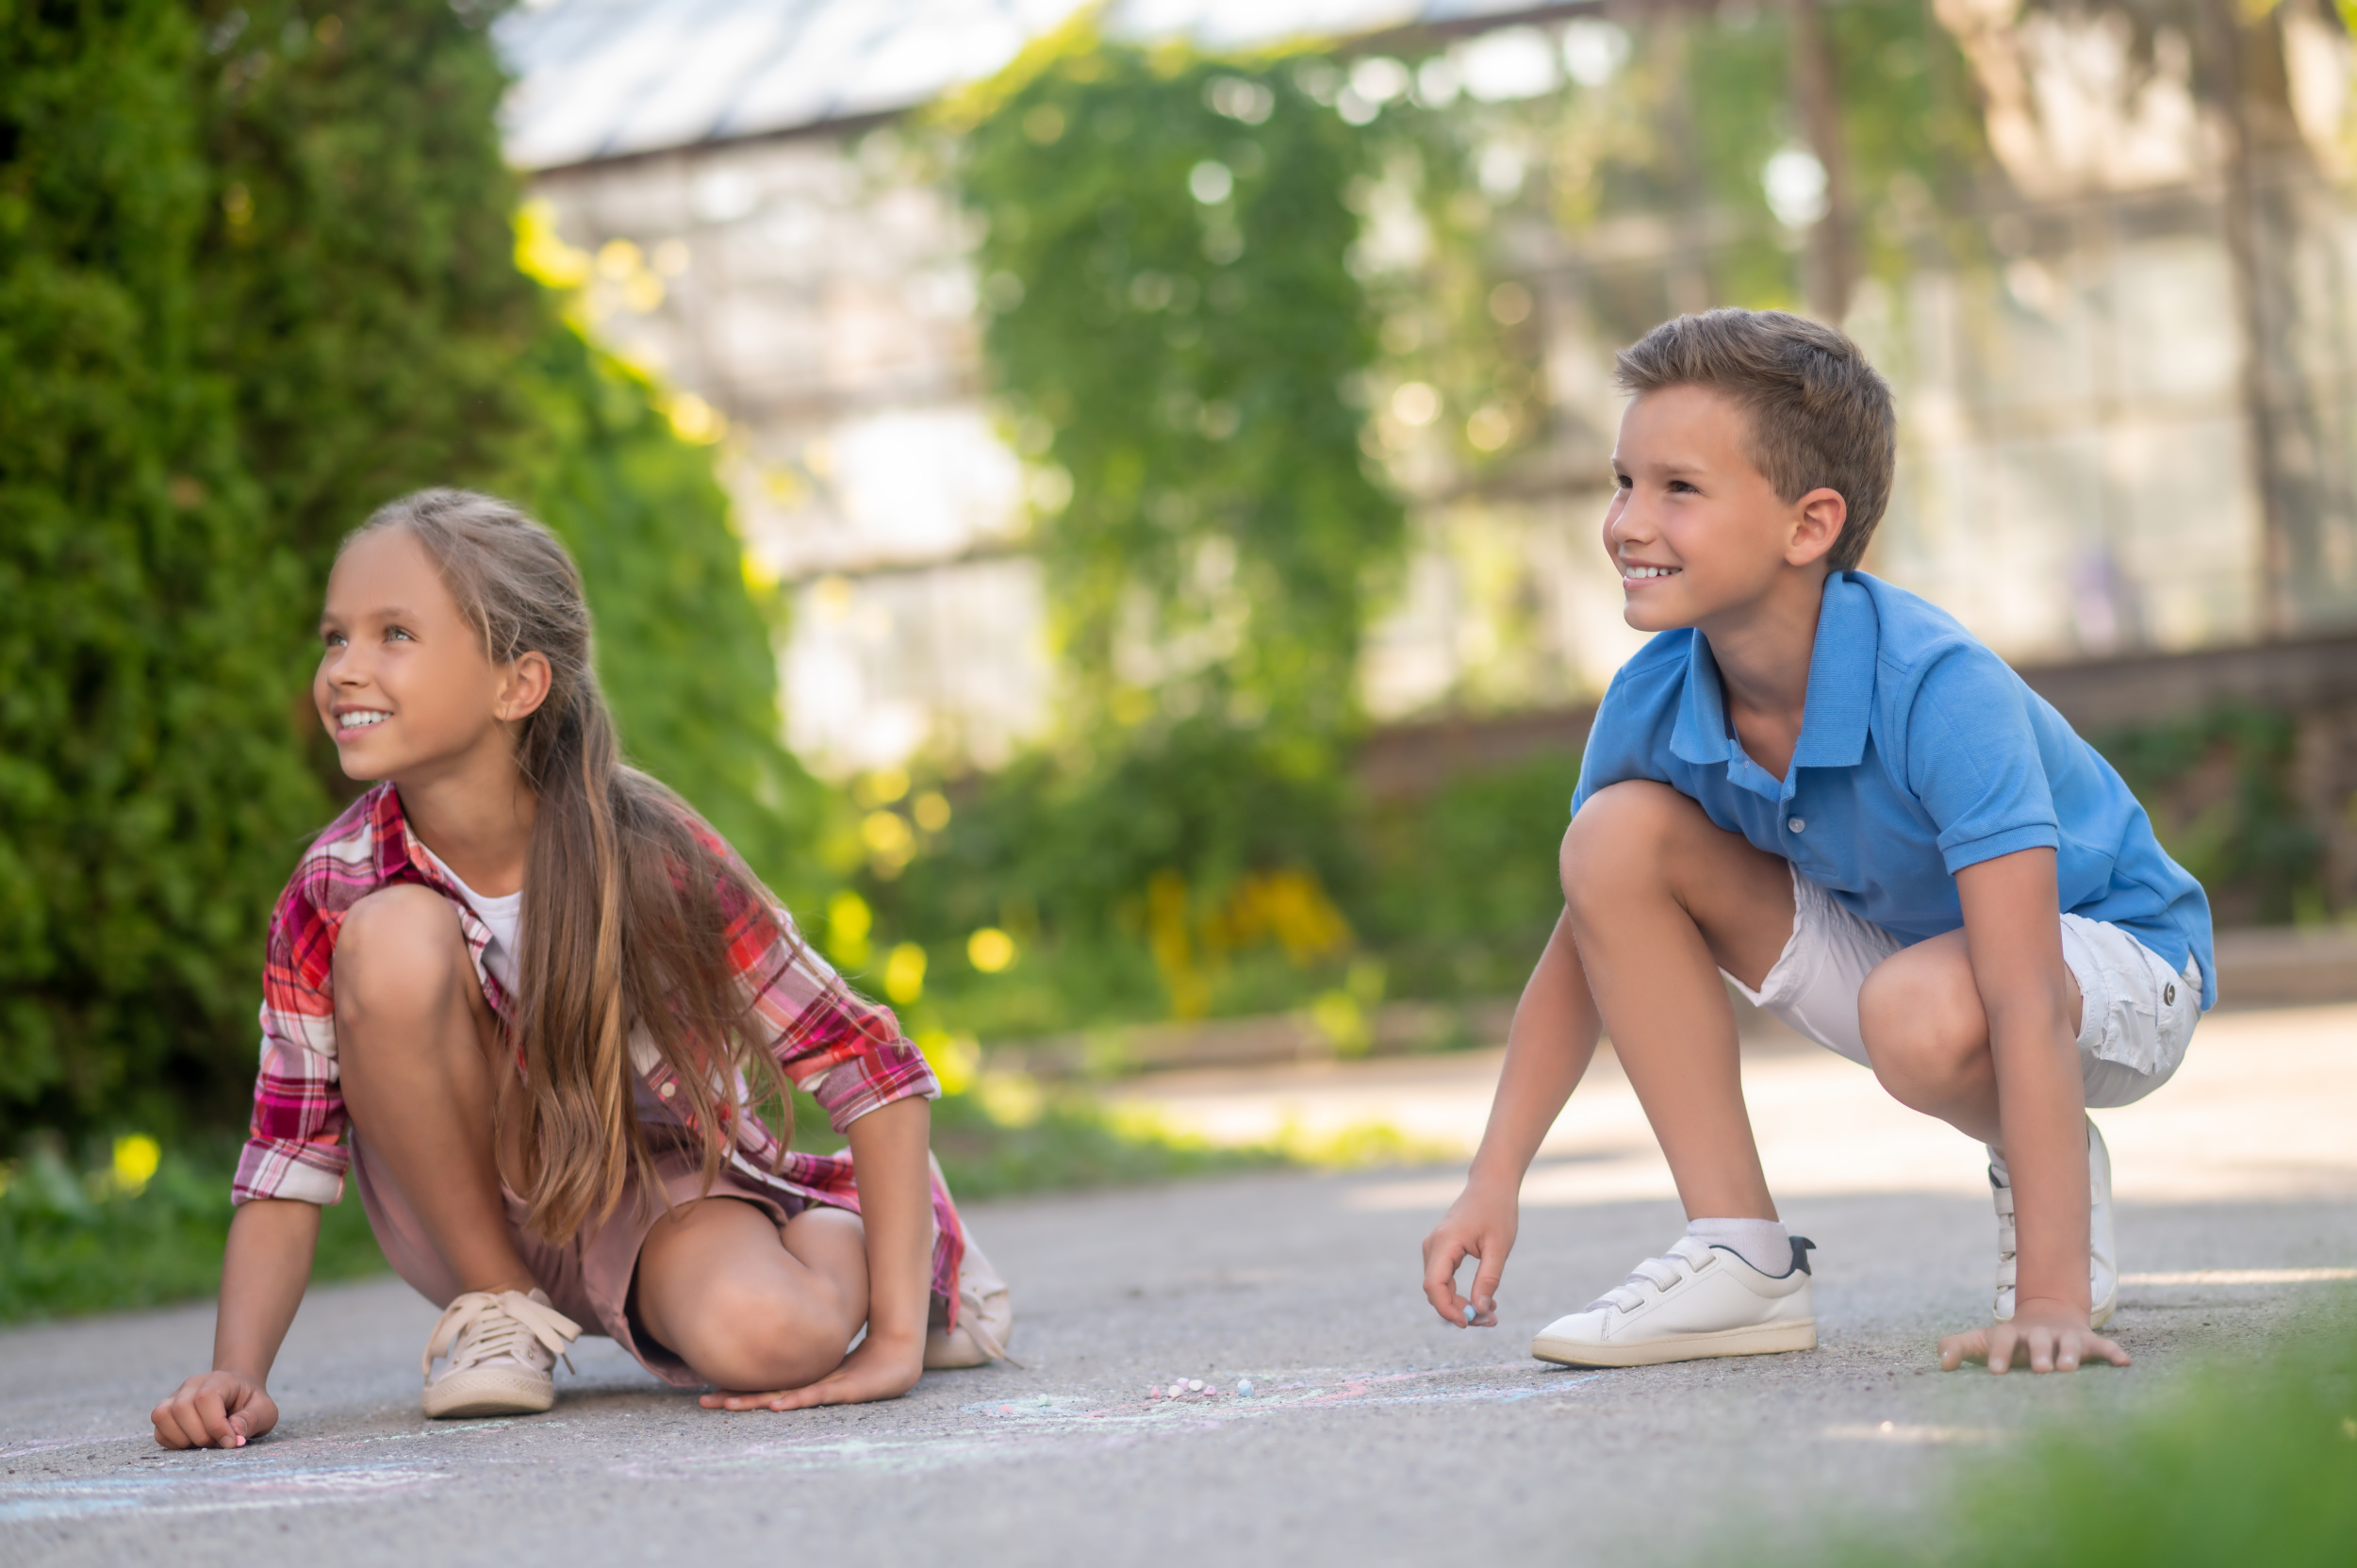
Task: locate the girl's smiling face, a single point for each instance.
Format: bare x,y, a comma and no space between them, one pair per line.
404,685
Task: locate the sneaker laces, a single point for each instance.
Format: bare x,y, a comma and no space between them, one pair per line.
970,1319
482,1327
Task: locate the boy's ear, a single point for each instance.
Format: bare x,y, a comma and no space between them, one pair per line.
526,686
1817,523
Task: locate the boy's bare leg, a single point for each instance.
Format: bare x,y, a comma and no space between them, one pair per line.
749,1306
415,1042
1659,900
1665,900
1927,1035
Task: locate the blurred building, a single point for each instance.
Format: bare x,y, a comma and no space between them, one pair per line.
2128,430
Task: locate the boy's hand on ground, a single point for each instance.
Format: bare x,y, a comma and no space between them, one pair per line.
879,1369
2052,1336
1479,1225
214,1409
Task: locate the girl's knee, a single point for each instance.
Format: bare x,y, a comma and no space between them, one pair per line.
399,951
752,1339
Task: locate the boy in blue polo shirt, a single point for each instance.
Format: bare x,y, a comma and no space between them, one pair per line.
1826,790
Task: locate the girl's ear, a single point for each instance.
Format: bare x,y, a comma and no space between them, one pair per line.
525,688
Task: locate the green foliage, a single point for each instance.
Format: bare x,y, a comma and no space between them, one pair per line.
685,654
148,783
358,291
2244,1463
256,279
1174,320
2218,788
83,1242
1462,884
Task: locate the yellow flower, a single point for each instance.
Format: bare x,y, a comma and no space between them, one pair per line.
136,1158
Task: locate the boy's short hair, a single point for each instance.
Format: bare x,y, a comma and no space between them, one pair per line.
1821,415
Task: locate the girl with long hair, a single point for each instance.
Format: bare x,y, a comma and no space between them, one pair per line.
532,1003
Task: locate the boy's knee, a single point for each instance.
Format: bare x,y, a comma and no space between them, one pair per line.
1920,1024
398,952
1622,831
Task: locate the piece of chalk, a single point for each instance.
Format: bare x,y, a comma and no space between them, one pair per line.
1195,1385
1470,1313
1243,1388
1178,1389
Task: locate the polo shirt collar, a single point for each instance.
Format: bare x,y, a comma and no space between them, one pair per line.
1840,687
1840,678
1700,734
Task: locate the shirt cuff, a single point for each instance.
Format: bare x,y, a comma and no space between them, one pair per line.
279,1167
1972,852
872,1080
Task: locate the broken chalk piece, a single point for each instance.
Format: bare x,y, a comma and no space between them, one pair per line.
1178,1389
1195,1385
1470,1313
1243,1388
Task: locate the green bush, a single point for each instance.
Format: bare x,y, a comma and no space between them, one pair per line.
2218,788
89,1241
256,278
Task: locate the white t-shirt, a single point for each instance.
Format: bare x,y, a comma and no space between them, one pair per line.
502,916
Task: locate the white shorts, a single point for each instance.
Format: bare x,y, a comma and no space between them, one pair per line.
2136,1021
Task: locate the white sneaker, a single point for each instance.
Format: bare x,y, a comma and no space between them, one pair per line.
2102,1259
1697,1300
985,1317
502,1354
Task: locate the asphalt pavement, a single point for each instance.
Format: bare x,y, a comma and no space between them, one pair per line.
1375,1434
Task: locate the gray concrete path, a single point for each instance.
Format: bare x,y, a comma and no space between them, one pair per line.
1377,1434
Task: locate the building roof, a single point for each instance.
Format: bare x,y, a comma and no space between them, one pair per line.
611,78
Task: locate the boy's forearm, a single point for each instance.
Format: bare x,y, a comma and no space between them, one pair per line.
264,1270
1549,1046
2041,1105
888,1161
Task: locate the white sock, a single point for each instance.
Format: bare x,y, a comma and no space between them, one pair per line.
1764,1243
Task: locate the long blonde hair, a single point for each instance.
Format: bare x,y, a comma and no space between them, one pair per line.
629,899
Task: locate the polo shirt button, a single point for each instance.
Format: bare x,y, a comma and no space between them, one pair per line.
1796,824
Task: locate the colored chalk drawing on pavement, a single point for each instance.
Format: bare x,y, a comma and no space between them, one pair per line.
304,1470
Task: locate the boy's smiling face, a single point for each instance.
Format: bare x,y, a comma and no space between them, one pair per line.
1696,531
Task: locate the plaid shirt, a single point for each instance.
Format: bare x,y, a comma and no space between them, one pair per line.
846,1051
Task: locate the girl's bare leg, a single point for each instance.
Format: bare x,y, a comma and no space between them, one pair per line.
1659,900
416,1041
749,1306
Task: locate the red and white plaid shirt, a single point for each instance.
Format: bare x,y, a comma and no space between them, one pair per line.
846,1051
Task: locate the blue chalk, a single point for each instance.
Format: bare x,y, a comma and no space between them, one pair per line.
1470,1313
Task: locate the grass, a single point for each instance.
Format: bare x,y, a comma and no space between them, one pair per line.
136,1226
2244,1462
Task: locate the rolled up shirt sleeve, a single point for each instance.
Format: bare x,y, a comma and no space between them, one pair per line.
295,1147
845,1050
1973,761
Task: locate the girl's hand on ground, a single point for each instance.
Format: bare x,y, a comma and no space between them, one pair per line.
877,1369
1479,1225
2052,1336
214,1409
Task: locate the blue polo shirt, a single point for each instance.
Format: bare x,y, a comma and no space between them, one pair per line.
1921,753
